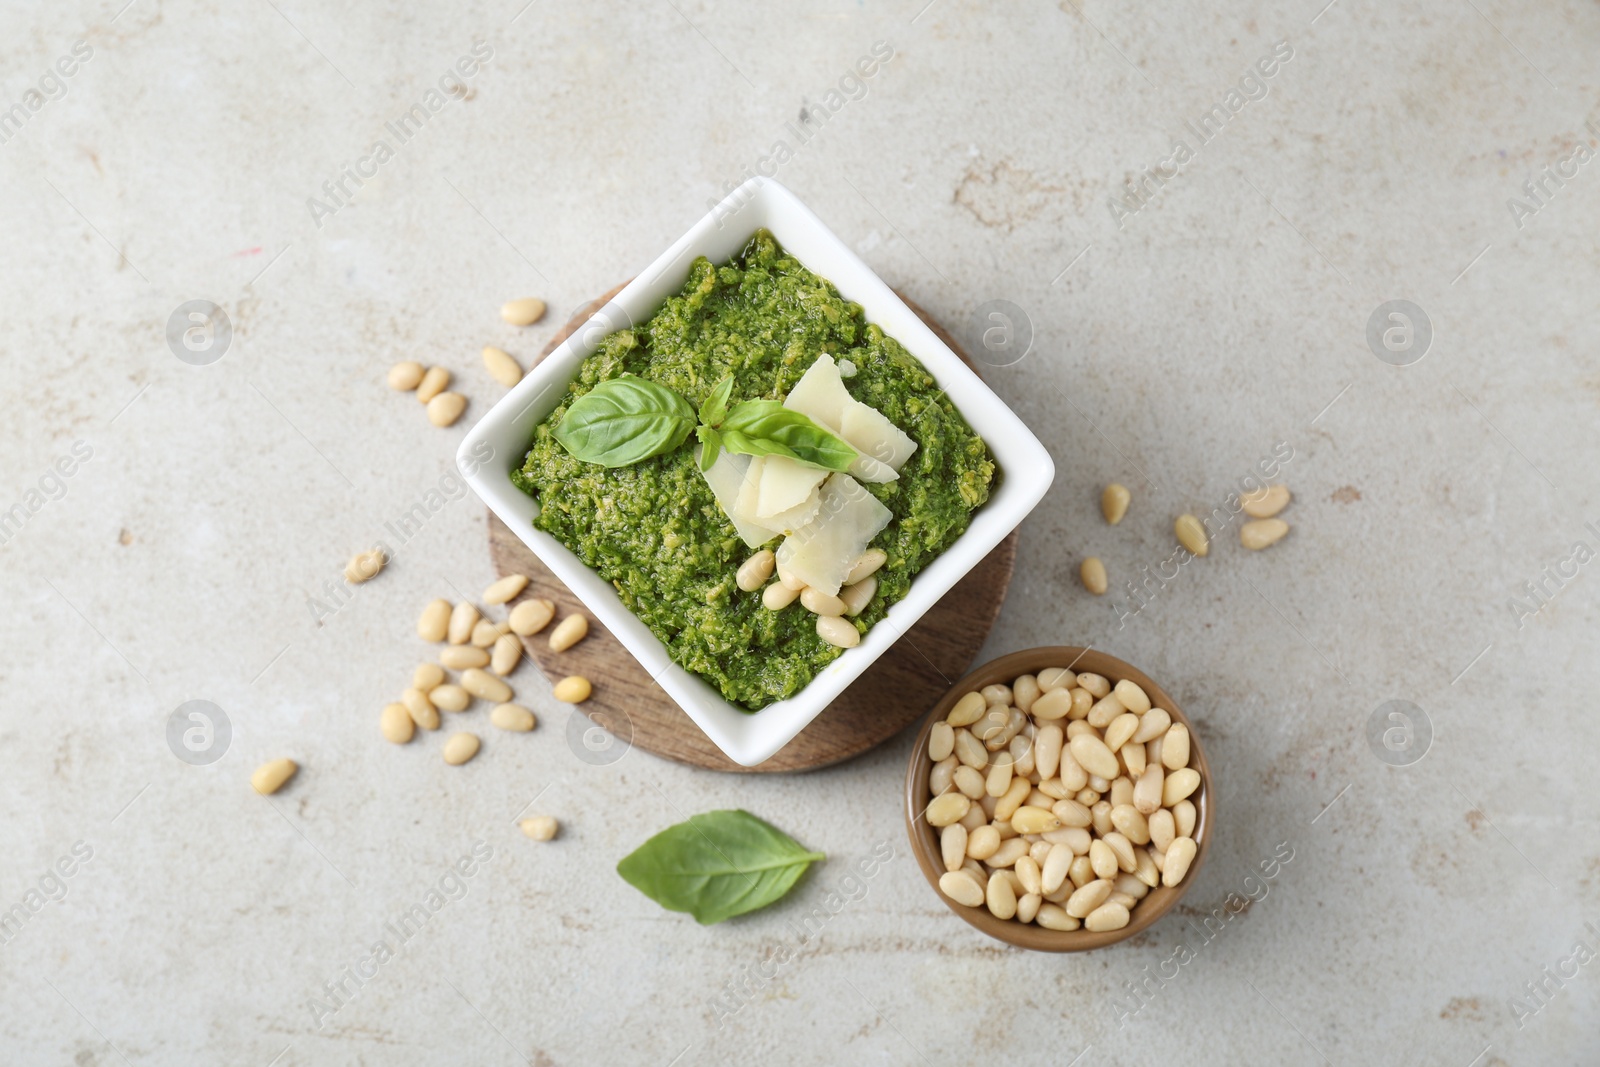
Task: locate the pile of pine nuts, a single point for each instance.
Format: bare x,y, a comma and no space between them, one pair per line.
833,612
1061,799
444,408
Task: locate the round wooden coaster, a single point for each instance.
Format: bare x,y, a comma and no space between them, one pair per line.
895,691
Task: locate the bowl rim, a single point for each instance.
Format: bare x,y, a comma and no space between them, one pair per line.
925,842
495,446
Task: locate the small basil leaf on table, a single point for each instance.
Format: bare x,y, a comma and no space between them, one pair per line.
717,865
624,420
767,428
715,408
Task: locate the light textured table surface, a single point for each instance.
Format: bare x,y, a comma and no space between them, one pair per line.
1177,339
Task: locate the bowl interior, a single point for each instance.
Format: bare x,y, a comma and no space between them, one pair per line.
925,841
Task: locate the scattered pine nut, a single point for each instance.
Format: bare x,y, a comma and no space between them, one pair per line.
485,686
404,377
1191,534
422,711
573,690
513,717
506,654
1265,502
502,367
459,748
838,631
432,384
540,827
778,596
569,632
856,597
434,622
870,561
819,603
506,589
754,572
523,312
1260,533
1114,502
463,618
364,566
486,632
446,408
396,724
461,657
531,616
270,776
449,698
427,676
1093,575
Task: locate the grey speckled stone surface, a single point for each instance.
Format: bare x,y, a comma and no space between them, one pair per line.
1223,318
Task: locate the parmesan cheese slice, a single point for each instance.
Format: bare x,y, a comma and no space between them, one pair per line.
726,478
785,484
870,433
820,394
748,505
823,552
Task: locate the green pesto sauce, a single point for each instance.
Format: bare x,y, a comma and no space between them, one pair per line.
654,529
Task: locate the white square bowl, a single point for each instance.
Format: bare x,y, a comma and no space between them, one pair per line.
1024,467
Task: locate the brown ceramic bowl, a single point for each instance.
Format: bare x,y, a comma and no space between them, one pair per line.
925,841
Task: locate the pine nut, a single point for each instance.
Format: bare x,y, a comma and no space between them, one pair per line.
421,709
941,741
364,566
856,597
531,616
396,724
1056,678
1121,791
942,776
1152,724
1053,875
1010,851
1093,755
1175,747
1121,729
463,617
1102,859
1024,691
819,603
1028,907
983,842
870,561
1000,772
1131,824
970,751
1097,684
778,596
1055,917
1180,854
1021,749
1114,502
962,887
1104,710
1073,776
1081,873
460,657
953,846
968,710
427,676
1261,533
1082,701
505,589
501,366
1191,534
947,809
1146,872
1088,897
1031,820
837,630
1183,817
513,717
992,725
754,572
1149,789
1092,572
1027,869
1001,898
1163,831
432,384
1133,758
996,694
523,312
790,581
406,376
270,776
1047,745
1132,695
434,622
975,817
1265,502
449,698
459,748
1108,916
1130,886
485,686
1180,784
1052,704
506,654
540,827
970,782
573,690
486,632
568,632
1100,817
1127,900
446,408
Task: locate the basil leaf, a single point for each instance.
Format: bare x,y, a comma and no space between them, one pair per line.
717,865
715,409
623,421
710,445
767,428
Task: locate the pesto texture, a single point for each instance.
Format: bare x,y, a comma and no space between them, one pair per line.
655,531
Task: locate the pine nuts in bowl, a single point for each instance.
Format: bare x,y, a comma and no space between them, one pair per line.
1044,861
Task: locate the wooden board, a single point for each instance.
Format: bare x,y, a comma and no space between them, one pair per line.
895,691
